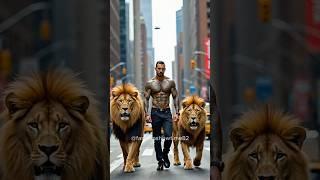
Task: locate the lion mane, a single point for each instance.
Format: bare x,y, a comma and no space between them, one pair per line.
87,150
126,101
268,129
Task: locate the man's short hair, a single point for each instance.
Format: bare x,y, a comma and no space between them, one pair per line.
159,62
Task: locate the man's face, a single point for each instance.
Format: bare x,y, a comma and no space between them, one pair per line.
160,70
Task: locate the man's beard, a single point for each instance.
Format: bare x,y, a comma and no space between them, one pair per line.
160,74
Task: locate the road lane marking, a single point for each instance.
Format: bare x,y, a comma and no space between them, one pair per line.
115,164
146,138
147,152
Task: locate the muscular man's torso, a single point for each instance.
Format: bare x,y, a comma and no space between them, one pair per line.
160,92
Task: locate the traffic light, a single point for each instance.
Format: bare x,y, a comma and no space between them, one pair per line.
5,62
45,30
264,10
111,81
124,71
193,64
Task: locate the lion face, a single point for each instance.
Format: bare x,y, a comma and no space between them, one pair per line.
125,103
125,100
48,127
267,157
193,113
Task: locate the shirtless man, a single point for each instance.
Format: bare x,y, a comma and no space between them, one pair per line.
159,88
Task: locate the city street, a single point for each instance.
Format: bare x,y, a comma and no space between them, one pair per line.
149,163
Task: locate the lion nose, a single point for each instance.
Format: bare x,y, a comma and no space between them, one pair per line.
125,109
193,118
266,177
48,150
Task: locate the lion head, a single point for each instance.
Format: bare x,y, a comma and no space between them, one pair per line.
193,115
51,130
266,144
126,105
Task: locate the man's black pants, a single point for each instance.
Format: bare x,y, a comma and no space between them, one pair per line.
161,119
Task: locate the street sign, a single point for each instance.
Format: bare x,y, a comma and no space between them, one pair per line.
192,89
263,88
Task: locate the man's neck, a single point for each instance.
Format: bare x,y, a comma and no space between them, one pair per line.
160,78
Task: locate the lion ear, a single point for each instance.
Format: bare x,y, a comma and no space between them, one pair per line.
203,104
14,104
114,94
296,135
184,104
80,104
135,93
238,136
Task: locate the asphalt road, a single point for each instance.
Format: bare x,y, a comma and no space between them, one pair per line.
149,163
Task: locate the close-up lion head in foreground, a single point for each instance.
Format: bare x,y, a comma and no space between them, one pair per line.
266,145
128,118
191,127
52,130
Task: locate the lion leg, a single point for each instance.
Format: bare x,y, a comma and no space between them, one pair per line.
136,162
176,160
125,149
197,159
130,160
187,159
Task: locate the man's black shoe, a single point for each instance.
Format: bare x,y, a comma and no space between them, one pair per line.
160,165
166,160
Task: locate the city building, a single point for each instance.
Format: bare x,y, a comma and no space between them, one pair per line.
146,12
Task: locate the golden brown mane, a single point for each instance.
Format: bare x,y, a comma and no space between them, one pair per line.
89,151
138,107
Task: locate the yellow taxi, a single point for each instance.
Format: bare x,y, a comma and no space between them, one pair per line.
147,128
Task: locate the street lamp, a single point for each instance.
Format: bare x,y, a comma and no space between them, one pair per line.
117,65
23,13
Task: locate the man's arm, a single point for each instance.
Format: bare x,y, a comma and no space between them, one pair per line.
147,94
174,93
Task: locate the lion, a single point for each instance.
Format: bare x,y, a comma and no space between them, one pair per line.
190,130
266,144
51,129
128,118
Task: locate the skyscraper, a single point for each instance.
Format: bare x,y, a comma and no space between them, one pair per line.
146,11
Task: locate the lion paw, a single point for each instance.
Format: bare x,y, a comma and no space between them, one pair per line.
176,163
129,168
136,164
188,165
196,162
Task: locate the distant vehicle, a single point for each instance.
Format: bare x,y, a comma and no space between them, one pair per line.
148,128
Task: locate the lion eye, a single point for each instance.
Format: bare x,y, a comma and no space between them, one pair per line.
254,155
62,125
33,125
280,155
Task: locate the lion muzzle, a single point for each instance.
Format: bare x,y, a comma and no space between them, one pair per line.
125,116
193,124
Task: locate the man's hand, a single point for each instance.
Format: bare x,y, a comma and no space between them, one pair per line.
148,118
176,117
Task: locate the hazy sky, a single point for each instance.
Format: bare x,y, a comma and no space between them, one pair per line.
164,39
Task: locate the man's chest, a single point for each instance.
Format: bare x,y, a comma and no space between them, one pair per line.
161,86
